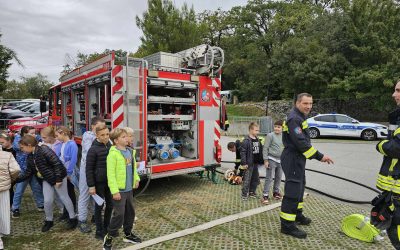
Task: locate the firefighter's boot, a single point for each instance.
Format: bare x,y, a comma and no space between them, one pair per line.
294,231
302,220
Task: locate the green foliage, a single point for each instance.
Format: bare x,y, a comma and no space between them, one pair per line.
6,57
168,29
28,87
235,110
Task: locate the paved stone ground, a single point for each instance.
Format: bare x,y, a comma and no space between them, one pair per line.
176,203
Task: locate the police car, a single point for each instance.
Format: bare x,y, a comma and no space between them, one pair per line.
343,125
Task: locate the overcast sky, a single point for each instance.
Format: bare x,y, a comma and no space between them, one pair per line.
43,31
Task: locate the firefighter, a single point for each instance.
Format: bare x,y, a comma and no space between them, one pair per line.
239,170
386,211
296,140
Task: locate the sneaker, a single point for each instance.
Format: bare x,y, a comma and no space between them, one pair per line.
63,217
84,227
40,209
72,223
302,220
16,213
1,244
107,242
252,195
131,238
47,225
277,196
265,200
295,232
99,235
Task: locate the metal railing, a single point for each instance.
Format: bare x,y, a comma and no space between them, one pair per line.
239,125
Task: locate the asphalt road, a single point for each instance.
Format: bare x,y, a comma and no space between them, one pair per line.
354,159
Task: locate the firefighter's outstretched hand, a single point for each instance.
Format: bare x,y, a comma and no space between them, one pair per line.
327,159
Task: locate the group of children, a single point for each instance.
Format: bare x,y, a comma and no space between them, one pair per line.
252,154
48,163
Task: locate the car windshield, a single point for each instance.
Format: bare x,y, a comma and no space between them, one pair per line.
22,105
29,107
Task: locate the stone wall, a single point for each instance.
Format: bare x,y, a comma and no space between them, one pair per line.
358,109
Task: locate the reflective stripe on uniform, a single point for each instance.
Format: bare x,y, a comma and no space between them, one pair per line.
226,122
288,217
381,148
304,124
262,140
394,162
237,160
398,232
387,183
391,207
397,131
301,205
309,153
285,127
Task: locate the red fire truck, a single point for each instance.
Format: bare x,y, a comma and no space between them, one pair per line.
171,101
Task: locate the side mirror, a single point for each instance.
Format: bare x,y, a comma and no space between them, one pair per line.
43,106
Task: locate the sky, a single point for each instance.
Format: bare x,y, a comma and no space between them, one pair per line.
42,32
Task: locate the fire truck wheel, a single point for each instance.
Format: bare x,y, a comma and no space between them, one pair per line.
228,174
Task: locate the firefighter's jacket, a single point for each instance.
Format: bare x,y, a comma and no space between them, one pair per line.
296,136
389,174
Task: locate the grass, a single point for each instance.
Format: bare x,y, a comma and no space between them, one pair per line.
236,110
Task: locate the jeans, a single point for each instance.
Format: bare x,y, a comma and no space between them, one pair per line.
251,180
275,170
20,189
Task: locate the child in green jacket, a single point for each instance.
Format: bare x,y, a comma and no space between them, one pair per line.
122,178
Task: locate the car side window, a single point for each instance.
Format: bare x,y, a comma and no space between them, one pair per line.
325,118
343,119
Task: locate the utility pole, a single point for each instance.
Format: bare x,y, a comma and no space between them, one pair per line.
266,105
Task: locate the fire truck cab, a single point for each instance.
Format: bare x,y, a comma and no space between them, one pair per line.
171,101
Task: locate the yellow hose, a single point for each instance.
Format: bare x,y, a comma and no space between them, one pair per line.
358,226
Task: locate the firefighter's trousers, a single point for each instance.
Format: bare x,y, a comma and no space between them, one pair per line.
293,165
394,229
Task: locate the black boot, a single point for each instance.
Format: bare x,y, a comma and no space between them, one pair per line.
47,225
293,231
302,220
72,224
100,235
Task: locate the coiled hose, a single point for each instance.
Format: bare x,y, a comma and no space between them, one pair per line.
358,226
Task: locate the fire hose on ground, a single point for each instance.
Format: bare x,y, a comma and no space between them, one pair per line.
356,225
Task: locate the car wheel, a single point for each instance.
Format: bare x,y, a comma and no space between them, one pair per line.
314,133
368,135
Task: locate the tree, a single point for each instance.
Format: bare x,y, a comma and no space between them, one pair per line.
6,56
166,28
29,87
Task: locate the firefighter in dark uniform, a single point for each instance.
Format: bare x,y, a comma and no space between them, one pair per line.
296,140
236,147
386,211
